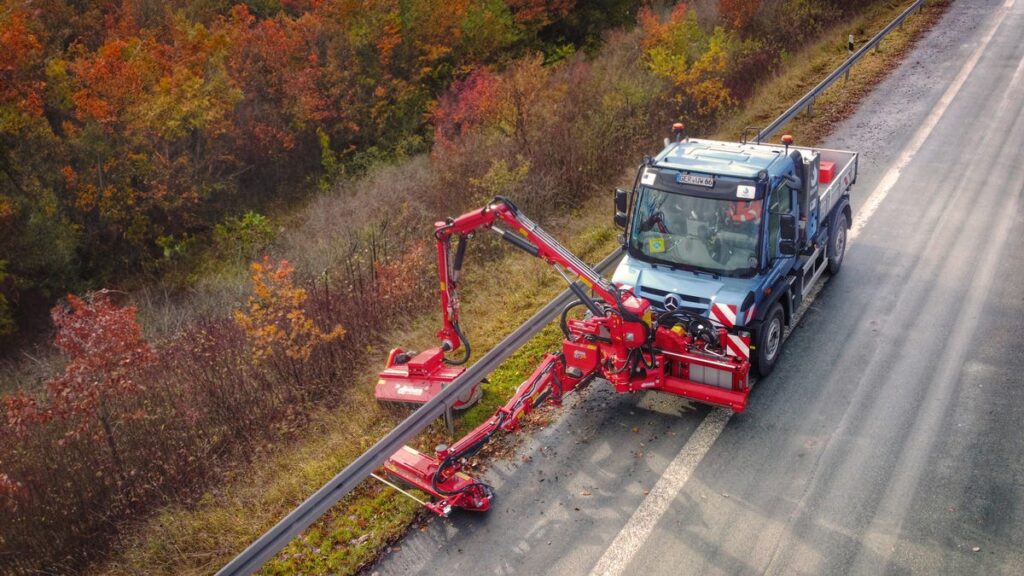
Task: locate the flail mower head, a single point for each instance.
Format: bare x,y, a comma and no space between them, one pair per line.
411,379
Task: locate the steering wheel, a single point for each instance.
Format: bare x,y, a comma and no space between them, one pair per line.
718,250
657,219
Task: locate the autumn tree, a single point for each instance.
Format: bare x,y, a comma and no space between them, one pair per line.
128,126
275,321
107,358
739,14
678,49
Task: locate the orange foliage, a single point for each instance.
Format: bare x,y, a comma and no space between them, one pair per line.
276,322
21,52
113,78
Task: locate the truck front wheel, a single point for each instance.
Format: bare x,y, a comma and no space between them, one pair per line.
769,340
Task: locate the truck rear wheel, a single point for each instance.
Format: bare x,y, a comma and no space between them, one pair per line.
837,243
769,340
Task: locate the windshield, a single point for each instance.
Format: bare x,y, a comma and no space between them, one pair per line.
718,236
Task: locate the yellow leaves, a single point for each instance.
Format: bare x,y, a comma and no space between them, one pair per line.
275,321
695,61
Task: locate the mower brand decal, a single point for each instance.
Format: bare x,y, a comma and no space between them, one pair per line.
725,314
579,355
696,180
738,346
655,245
409,390
648,178
745,191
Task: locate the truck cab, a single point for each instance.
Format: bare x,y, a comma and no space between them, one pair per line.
735,232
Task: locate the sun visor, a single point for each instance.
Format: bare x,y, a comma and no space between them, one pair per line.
702,185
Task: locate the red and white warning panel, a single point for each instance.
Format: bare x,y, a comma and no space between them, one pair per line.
724,314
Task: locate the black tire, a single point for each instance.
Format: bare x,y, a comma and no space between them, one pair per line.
837,243
769,340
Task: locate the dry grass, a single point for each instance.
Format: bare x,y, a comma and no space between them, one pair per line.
803,71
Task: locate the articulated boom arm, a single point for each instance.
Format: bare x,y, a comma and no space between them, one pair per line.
621,340
441,475
524,234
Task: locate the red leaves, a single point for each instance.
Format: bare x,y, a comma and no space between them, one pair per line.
465,106
540,12
399,280
106,358
739,14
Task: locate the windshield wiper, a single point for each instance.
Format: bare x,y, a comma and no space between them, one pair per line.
680,266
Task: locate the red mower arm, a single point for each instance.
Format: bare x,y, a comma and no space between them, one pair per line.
441,475
523,234
621,341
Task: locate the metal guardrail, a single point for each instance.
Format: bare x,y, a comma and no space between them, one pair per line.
266,546
808,100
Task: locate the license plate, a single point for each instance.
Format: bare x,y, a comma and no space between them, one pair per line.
697,180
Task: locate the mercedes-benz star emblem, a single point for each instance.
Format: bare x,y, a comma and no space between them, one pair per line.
671,302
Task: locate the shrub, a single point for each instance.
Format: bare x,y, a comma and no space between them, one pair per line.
275,322
243,238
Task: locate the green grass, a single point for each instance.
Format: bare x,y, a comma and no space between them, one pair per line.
497,297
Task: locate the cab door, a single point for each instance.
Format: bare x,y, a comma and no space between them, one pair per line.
779,202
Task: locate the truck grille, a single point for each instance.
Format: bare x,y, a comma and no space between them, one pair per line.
691,304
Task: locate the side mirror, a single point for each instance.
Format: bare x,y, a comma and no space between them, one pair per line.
621,205
621,199
787,234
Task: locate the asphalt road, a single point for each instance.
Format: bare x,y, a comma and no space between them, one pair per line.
888,440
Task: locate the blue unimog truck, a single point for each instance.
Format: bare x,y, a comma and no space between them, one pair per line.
736,232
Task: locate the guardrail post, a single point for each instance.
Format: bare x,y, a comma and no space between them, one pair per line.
449,422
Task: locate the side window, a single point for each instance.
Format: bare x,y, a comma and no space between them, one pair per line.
781,202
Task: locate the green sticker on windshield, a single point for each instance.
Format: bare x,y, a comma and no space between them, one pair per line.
655,245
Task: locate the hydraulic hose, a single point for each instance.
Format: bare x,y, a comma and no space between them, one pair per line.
563,320
466,349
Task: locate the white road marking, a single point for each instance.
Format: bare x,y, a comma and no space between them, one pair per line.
640,525
887,182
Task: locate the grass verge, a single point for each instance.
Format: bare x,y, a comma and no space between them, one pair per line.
198,539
